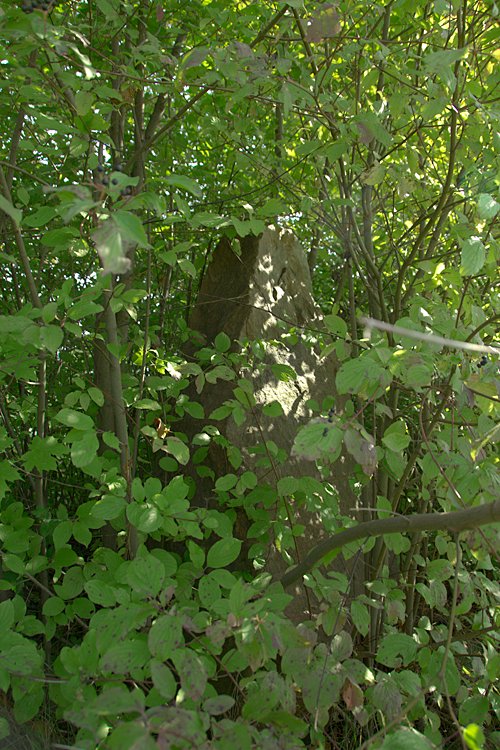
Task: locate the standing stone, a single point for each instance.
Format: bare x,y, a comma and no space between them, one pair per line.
259,291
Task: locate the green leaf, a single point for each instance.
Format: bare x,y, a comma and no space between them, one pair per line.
359,375
165,636
163,680
439,570
273,409
336,325
222,342
397,543
374,175
441,63
59,238
13,562
370,127
72,584
194,410
4,728
8,473
84,308
361,446
129,735
273,207
474,737
131,228
185,183
218,705
360,617
146,575
487,206
118,700
396,645
223,552
396,438
147,404
41,452
96,395
196,554
111,440
16,541
227,482
53,606
452,678
342,646
51,337
209,591
318,439
6,615
221,412
177,449
49,312
187,267
433,107
406,739
40,217
83,102
284,373
108,507
84,449
18,654
125,657
75,419
15,214
144,516
192,672
100,592
82,533
473,710
62,533
473,256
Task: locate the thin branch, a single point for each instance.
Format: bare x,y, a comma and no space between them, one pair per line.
119,409
152,135
431,338
35,299
459,520
264,31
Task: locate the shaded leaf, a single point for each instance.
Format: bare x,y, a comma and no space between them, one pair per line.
406,738
74,419
487,206
15,214
318,439
163,680
473,256
165,636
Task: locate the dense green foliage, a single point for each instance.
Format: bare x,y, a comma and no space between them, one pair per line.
134,135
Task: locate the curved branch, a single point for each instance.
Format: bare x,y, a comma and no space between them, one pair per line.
458,520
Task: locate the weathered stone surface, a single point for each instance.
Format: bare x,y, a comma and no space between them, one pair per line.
256,294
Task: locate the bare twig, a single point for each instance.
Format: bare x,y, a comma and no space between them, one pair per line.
431,338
